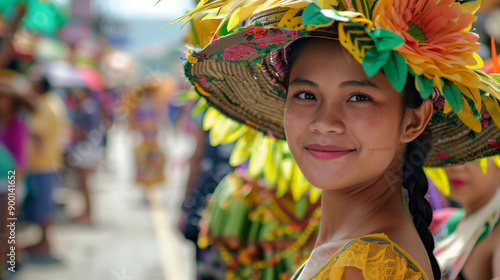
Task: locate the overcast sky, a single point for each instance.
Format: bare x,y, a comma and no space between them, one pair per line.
165,9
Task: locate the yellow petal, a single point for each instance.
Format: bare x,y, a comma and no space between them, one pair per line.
493,108
211,118
314,194
466,116
439,178
483,164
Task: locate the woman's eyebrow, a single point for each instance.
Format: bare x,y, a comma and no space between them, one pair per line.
363,83
302,81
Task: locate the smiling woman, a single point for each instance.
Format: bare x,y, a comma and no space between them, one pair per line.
365,93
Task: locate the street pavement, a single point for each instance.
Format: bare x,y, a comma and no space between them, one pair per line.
133,235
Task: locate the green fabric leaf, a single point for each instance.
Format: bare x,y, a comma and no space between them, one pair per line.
472,106
386,40
425,86
453,95
314,15
374,60
396,70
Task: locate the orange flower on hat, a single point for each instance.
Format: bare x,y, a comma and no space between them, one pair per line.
437,38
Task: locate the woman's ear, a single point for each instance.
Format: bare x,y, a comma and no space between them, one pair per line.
416,121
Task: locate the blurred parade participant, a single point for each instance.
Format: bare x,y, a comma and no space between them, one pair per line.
207,167
48,130
257,234
147,117
85,152
469,240
14,96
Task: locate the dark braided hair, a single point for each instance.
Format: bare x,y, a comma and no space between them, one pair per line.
415,181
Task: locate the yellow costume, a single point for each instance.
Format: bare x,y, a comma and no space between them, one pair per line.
375,255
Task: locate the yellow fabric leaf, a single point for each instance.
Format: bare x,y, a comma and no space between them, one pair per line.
314,194
236,134
493,109
496,160
211,118
241,150
282,187
472,93
290,20
465,114
234,20
439,178
258,155
287,169
483,164
270,170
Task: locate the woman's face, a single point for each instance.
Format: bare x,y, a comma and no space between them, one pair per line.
343,128
469,185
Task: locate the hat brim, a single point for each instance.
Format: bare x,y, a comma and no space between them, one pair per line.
237,74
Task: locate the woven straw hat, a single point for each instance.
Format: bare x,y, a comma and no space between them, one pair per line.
242,74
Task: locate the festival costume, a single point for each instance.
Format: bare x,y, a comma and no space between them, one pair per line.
375,255
459,235
241,75
147,103
258,235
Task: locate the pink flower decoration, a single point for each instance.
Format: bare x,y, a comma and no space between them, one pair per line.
230,56
442,155
202,79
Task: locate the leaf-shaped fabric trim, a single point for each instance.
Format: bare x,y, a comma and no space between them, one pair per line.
467,117
493,108
439,178
453,96
483,164
396,70
386,40
373,61
425,86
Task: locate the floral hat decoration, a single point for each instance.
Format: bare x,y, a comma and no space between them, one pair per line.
241,73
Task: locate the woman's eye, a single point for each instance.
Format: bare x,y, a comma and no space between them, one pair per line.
359,97
305,96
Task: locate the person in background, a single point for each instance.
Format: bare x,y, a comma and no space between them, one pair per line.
14,97
468,244
207,167
85,151
147,119
48,130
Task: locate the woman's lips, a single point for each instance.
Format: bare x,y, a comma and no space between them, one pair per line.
457,183
327,152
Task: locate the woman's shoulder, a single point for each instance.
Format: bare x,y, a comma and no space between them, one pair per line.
376,256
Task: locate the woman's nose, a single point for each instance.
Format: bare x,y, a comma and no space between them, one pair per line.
327,120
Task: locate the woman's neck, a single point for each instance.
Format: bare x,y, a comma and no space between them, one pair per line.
474,206
357,211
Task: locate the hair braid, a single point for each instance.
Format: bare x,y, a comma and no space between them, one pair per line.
415,181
